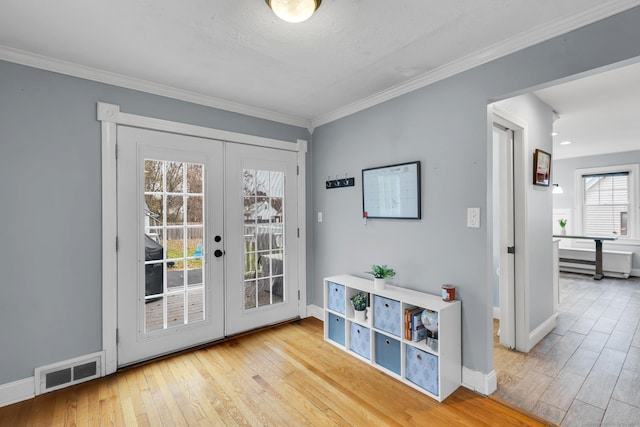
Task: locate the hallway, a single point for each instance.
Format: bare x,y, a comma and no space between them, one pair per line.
586,371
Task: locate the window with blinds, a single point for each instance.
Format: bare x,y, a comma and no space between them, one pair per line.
606,203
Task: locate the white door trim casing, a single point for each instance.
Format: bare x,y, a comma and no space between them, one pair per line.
521,172
110,117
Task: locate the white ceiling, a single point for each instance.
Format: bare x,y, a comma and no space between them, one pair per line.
597,114
235,54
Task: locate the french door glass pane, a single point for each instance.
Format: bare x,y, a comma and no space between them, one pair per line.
174,244
263,207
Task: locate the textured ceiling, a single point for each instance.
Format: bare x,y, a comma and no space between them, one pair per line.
598,114
237,52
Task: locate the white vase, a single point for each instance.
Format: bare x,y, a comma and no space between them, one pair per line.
379,283
563,231
360,316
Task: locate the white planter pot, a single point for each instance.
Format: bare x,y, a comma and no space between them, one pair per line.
379,283
360,316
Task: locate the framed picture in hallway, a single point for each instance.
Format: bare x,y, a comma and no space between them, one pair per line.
541,168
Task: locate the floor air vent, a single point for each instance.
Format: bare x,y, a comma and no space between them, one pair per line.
70,372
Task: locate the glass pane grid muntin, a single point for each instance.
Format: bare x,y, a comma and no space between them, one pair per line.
177,313
264,259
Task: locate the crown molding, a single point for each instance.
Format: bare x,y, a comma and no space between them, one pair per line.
89,73
498,50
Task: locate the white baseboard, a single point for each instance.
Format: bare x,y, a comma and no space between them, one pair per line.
315,311
479,382
635,272
496,313
541,331
17,391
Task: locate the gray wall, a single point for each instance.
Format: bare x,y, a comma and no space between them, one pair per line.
564,175
50,215
445,126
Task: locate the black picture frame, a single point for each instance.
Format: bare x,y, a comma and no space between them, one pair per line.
392,191
541,168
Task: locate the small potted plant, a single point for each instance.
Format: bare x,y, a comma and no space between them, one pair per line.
359,302
380,274
563,224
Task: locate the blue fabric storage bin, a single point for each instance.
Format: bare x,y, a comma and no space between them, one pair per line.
336,329
422,369
386,315
336,297
360,340
387,352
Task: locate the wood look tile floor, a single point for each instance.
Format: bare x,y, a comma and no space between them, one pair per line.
587,370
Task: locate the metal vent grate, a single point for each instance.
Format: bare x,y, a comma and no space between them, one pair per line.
69,372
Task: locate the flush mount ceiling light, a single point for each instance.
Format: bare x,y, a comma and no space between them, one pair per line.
294,10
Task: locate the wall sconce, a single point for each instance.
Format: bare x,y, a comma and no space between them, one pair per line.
557,189
294,10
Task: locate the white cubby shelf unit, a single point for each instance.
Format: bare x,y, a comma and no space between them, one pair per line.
433,367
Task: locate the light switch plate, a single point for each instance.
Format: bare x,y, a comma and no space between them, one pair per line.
473,217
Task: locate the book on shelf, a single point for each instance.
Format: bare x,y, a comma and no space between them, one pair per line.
414,329
418,331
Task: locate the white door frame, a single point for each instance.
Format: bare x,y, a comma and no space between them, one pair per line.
505,232
520,185
110,117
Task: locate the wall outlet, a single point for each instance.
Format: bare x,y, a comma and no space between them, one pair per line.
473,217
319,216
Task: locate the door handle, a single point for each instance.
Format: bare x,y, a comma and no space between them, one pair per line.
217,238
218,253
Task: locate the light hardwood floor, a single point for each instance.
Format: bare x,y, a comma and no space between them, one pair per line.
283,376
587,370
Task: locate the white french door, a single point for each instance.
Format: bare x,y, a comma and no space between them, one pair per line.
262,274
170,286
207,240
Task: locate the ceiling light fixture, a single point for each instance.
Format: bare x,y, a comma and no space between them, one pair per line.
294,10
565,143
557,189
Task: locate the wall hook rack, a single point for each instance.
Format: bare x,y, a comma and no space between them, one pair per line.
340,183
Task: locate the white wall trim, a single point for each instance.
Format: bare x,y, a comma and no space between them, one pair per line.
633,193
541,331
522,171
111,116
17,391
109,234
111,113
498,50
97,75
477,381
315,311
302,222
